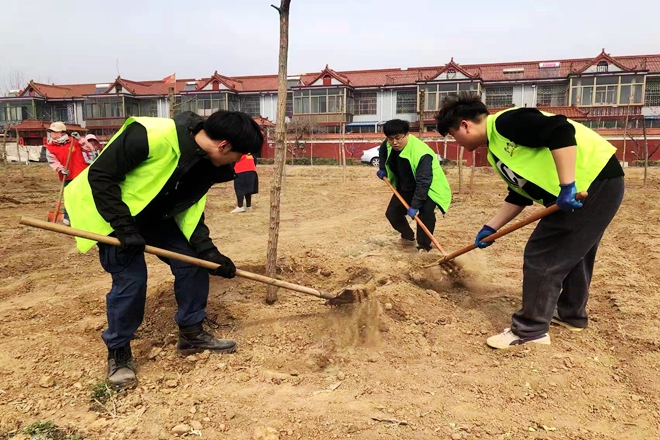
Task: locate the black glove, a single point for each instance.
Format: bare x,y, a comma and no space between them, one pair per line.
226,268
132,242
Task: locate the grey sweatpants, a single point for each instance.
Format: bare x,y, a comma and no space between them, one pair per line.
559,261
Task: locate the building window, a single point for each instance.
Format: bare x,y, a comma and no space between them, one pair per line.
131,107
498,97
607,90
406,102
551,95
251,105
652,93
362,129
602,66
289,105
96,108
148,107
366,103
318,101
435,93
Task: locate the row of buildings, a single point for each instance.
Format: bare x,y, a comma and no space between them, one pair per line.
616,95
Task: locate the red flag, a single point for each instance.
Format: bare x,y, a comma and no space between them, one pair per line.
170,79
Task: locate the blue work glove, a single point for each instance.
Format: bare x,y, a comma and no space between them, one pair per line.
566,199
485,232
412,212
381,174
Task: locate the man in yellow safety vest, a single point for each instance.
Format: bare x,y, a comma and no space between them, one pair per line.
544,158
148,186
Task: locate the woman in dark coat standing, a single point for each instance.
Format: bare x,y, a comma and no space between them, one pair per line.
246,183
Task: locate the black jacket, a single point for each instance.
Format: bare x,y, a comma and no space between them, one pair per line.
418,183
190,181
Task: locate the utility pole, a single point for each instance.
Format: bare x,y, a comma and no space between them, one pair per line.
422,101
171,97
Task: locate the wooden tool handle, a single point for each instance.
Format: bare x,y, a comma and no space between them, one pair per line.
509,229
419,222
173,255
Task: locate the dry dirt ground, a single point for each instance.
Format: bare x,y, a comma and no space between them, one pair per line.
409,363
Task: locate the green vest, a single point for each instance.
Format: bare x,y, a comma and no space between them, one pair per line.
439,191
537,165
140,186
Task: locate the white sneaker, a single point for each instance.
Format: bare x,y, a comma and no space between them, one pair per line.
66,222
237,209
249,208
507,340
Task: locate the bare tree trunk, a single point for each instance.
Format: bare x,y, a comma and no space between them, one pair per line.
280,150
460,169
646,150
473,170
4,147
343,152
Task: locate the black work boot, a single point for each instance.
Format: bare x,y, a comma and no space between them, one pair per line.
121,370
195,339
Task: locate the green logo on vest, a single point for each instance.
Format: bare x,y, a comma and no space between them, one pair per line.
510,148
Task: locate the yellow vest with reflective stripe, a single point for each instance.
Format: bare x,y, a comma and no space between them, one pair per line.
439,191
140,186
537,165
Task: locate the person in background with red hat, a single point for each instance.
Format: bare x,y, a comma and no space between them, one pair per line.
94,142
57,152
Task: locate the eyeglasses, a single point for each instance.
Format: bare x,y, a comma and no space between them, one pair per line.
396,138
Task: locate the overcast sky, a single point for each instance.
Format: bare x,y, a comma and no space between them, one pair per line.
73,41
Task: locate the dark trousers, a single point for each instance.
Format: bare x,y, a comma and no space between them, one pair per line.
126,300
397,214
559,261
66,214
248,200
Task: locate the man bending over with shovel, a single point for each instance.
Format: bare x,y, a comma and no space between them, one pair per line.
414,171
547,159
148,186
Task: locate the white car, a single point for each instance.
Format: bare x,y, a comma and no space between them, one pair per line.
370,156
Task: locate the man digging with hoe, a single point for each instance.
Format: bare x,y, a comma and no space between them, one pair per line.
148,186
547,159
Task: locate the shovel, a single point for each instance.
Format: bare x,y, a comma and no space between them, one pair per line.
344,296
57,216
504,231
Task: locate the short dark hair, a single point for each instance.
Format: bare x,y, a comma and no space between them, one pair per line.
459,107
237,128
396,126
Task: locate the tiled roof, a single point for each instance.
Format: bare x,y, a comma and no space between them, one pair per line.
568,111
31,124
263,122
451,65
53,91
530,70
328,71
